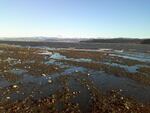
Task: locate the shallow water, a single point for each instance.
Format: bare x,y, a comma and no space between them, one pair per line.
131,69
102,80
4,83
129,87
58,56
144,57
74,69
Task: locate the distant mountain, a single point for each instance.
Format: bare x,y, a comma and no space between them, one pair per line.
42,39
23,39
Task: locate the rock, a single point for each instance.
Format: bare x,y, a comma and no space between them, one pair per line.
142,105
76,71
120,90
43,74
121,98
8,98
15,86
126,106
50,81
53,101
17,91
74,93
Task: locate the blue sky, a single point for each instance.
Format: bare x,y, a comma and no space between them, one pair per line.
75,18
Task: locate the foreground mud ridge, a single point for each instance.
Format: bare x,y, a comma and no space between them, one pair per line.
50,80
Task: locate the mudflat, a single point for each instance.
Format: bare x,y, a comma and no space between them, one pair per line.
79,79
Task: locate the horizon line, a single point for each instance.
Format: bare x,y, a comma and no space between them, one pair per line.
60,37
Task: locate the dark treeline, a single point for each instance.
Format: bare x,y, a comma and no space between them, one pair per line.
119,40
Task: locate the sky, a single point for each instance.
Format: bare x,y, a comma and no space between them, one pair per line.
75,18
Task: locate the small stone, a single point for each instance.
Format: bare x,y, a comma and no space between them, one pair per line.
142,105
43,74
76,71
15,86
17,91
53,101
8,90
121,98
126,106
49,81
120,90
114,96
53,96
77,104
5,71
8,98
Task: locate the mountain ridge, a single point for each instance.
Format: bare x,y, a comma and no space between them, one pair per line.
81,40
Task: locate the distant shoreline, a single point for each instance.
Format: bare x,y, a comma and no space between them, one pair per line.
80,40
119,40
83,45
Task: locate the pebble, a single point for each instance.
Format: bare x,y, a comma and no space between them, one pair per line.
142,105
126,106
120,90
15,86
43,74
76,71
5,71
17,91
8,98
121,98
49,81
53,101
